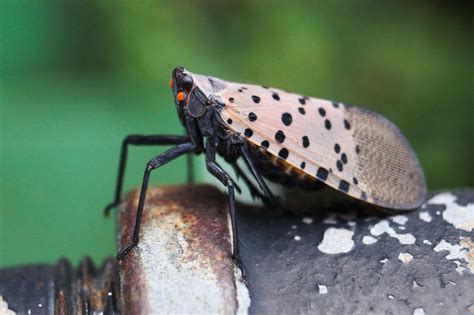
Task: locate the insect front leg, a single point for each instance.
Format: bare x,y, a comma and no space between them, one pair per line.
227,181
153,164
140,140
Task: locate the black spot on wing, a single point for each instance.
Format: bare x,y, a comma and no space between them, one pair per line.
248,132
303,165
280,136
322,112
322,173
229,121
265,144
283,153
287,119
327,124
252,116
344,158
275,96
337,148
335,104
302,100
305,141
347,125
339,165
355,181
301,110
255,99
344,186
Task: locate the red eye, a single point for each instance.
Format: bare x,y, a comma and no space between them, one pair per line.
180,96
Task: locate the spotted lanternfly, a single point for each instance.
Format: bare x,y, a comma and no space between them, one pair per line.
287,138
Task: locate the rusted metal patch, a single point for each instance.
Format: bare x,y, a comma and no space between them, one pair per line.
183,263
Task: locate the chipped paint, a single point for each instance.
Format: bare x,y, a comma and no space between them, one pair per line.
4,310
419,311
336,241
425,216
427,242
331,219
462,217
297,238
384,227
384,261
183,263
307,220
367,240
322,289
399,219
458,253
405,257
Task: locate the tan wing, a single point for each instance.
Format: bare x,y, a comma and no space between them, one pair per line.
350,149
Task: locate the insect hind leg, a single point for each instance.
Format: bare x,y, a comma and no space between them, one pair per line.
227,181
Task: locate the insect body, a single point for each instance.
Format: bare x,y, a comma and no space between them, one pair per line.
285,137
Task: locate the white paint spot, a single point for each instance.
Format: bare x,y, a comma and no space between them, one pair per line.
405,257
425,216
384,261
427,242
40,305
384,227
109,293
438,212
294,227
400,219
330,220
451,282
419,311
457,253
367,240
336,241
462,217
4,310
415,284
391,297
307,220
297,238
322,289
400,227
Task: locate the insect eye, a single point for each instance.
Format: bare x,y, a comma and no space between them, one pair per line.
180,96
188,82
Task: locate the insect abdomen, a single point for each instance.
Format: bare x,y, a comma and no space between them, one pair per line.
280,171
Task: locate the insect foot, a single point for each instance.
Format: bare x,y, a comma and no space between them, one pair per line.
184,252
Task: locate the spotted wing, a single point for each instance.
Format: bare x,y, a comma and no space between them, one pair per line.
351,149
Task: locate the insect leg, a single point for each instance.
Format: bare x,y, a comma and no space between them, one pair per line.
261,182
138,140
227,181
254,191
153,164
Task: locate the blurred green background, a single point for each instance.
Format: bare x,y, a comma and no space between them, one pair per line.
76,77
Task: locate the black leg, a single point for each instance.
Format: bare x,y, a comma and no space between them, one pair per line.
227,181
273,202
254,191
153,164
138,140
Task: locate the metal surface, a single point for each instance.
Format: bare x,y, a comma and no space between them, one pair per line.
59,289
339,257
183,262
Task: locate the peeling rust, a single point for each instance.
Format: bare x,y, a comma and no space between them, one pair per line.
184,233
